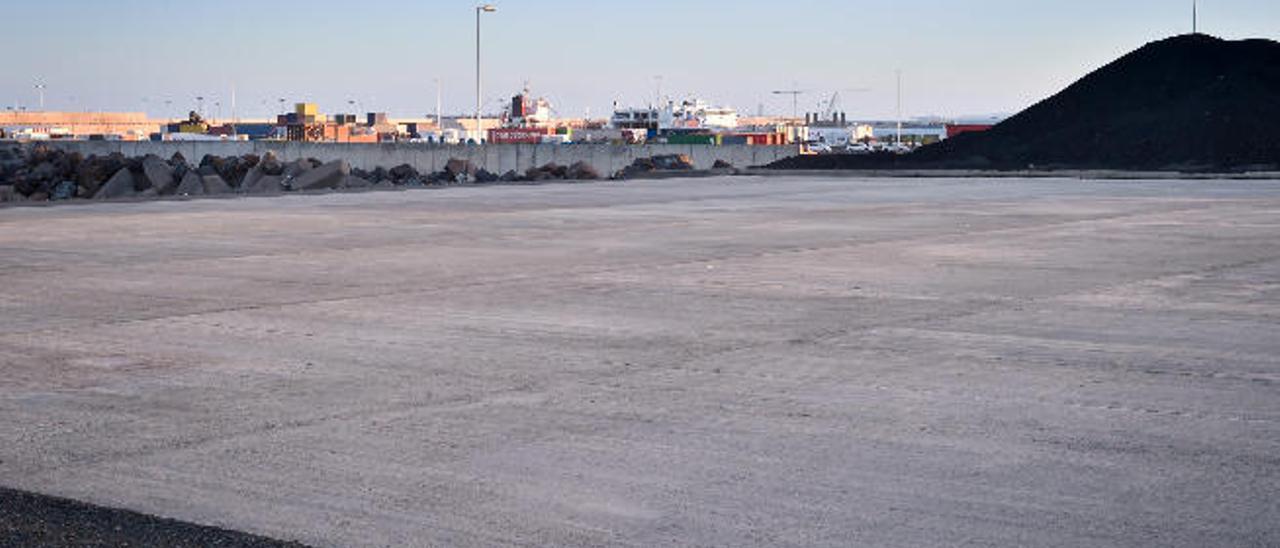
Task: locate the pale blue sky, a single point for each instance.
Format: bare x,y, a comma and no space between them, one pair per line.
958,57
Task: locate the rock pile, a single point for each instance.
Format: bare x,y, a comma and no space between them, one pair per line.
655,164
44,173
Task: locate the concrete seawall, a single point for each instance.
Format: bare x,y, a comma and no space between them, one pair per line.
607,159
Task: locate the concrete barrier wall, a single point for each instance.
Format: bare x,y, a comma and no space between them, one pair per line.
607,159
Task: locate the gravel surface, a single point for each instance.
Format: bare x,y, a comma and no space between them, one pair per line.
716,362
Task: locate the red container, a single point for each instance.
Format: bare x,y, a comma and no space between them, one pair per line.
957,129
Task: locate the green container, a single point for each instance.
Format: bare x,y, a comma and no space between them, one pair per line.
691,139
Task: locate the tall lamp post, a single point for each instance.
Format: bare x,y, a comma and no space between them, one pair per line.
439,94
490,8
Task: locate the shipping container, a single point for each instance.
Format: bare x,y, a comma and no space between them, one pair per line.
691,139
958,129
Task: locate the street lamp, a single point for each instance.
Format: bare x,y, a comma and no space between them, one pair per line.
490,8
439,94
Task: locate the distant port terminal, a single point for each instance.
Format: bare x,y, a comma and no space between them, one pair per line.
526,119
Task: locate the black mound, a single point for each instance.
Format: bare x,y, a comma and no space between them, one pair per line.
1191,102
38,521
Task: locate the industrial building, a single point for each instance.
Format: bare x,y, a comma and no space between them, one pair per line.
28,125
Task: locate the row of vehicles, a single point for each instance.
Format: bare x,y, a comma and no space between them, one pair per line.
856,147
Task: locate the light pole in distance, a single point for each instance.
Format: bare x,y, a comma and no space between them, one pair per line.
489,8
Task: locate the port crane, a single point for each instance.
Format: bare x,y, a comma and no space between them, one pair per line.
795,99
834,102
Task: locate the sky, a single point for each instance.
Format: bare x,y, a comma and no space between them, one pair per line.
958,58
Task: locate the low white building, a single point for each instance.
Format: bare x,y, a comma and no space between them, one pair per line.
839,135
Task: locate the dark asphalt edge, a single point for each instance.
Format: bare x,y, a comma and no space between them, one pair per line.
34,520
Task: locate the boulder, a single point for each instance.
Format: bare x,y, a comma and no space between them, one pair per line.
297,167
97,169
456,168
159,174
403,172
40,153
118,186
64,190
180,171
230,169
582,171
557,171
252,177
67,164
356,181
236,168
9,167
329,175
534,174
267,184
45,171
191,185
215,184
210,160
548,171
484,176
270,164
27,185
672,161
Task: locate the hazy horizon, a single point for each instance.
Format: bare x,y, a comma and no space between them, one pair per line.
957,59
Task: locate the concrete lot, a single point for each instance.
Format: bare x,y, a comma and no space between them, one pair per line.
729,362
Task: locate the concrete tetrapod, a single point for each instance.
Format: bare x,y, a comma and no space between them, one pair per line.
215,184
329,175
191,185
118,186
159,173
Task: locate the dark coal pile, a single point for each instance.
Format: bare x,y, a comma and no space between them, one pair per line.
1188,103
40,173
32,520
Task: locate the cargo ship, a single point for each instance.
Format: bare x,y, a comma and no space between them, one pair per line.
529,120
690,114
